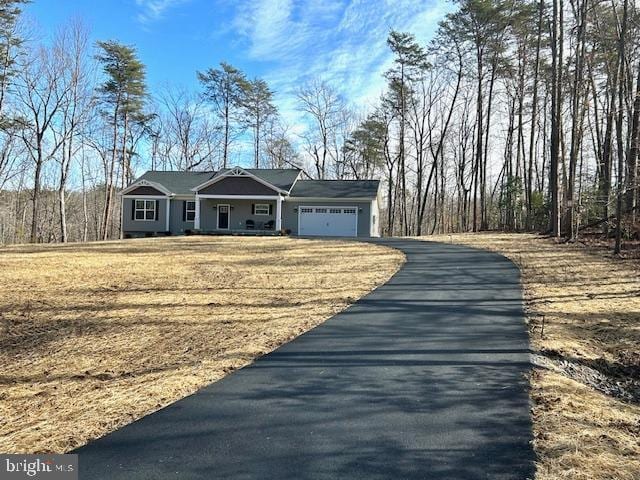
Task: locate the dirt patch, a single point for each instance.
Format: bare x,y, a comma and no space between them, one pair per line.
95,336
614,380
583,312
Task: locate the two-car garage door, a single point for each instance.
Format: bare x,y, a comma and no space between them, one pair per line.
328,221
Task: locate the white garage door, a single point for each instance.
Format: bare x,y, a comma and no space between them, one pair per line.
328,221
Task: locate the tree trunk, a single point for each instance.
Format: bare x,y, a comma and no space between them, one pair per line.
619,134
634,150
556,104
108,202
85,210
484,221
576,126
225,147
479,134
35,201
534,118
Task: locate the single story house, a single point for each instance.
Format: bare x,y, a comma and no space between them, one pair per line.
239,200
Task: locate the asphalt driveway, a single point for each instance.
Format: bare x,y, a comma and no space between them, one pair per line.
424,378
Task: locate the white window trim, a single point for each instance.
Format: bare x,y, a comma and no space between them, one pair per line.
147,197
145,210
187,211
238,197
257,205
145,183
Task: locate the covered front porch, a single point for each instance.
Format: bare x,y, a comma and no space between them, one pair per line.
239,215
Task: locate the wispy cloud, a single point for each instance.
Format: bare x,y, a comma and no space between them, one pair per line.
341,41
153,10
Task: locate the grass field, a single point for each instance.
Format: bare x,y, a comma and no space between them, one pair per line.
583,311
95,336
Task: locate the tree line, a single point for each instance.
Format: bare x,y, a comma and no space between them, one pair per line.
518,115
77,123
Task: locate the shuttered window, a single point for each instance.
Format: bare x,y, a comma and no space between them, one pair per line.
189,211
144,210
261,209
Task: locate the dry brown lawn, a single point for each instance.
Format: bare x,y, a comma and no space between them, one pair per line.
95,336
590,303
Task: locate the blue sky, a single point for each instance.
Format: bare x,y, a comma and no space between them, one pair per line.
283,41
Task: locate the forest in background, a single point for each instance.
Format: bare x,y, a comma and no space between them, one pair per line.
517,116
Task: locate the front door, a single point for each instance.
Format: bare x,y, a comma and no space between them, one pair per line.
223,217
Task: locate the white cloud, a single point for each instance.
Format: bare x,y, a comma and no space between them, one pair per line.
341,42
153,10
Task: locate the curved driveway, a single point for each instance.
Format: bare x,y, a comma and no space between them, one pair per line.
424,378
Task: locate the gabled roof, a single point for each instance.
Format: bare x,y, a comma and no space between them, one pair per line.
286,177
178,183
282,178
336,189
143,182
183,183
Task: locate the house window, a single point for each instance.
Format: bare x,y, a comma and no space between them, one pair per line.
190,211
335,210
321,210
350,211
261,209
306,210
145,210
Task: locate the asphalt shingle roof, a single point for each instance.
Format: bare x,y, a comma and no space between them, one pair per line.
336,188
282,178
181,183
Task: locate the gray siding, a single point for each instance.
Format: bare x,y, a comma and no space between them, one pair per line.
145,190
290,217
238,215
237,186
176,224
141,226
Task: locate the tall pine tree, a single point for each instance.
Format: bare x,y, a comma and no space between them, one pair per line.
410,62
223,88
124,93
258,108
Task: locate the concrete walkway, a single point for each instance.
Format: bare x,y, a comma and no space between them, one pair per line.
422,379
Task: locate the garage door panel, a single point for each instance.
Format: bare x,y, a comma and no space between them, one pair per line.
328,221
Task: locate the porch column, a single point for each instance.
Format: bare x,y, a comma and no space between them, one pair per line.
122,216
196,222
166,227
279,214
